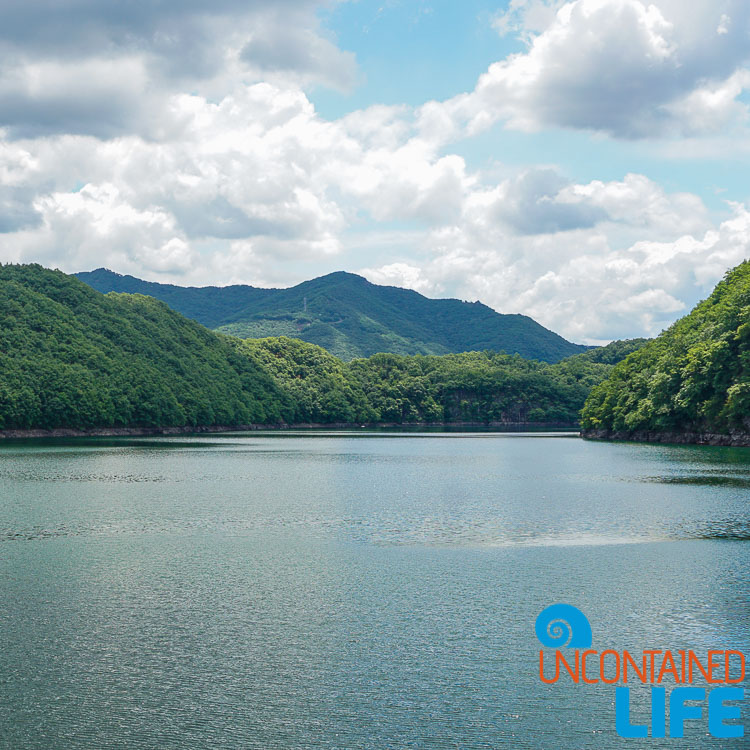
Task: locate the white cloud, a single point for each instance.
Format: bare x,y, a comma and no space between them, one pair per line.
403,275
251,166
257,183
98,217
578,282
112,69
210,175
100,96
539,201
277,45
526,17
711,107
627,68
642,204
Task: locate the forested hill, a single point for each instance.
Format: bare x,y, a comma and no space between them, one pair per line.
693,380
350,317
71,357
478,387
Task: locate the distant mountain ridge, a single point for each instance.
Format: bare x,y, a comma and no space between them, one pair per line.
351,317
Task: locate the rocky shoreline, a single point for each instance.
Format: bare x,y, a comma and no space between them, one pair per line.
736,438
65,432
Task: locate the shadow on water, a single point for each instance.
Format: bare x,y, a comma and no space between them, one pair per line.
730,529
156,443
220,439
703,480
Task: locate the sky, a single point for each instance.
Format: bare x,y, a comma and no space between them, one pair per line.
584,162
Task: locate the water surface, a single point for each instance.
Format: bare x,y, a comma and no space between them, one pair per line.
351,590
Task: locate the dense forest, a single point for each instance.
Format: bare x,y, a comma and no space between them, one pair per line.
71,357
693,378
350,317
470,387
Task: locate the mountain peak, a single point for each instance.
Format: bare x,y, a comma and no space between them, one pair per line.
351,317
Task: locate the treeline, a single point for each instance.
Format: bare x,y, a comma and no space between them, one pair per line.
72,357
471,387
694,377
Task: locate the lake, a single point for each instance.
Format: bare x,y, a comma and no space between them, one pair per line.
353,590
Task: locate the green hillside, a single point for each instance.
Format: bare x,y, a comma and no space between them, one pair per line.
470,387
612,353
350,317
210,306
693,378
321,387
71,357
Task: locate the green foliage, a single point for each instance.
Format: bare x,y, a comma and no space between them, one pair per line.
71,357
694,377
470,387
350,317
612,353
320,387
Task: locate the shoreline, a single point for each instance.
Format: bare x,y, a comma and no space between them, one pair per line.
735,439
67,432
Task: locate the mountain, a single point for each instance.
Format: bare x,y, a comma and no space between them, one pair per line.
350,317
208,305
691,383
71,357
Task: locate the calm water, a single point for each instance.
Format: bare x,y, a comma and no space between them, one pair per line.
352,590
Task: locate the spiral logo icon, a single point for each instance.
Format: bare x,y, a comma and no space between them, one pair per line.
563,626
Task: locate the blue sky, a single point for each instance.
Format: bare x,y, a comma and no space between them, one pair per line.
410,52
579,161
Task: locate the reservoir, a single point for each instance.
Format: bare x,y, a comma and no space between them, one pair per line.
353,590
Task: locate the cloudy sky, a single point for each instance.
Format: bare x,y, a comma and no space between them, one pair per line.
582,162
